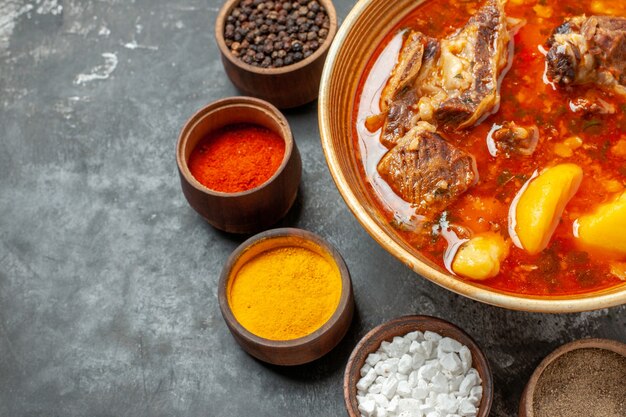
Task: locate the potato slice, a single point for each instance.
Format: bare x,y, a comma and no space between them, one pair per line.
538,206
479,258
606,228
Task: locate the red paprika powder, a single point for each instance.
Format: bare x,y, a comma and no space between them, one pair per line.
236,158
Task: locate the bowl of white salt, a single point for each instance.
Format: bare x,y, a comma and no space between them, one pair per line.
417,366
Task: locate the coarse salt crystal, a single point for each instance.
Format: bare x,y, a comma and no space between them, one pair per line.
405,364
451,362
432,336
416,335
419,393
367,380
439,383
427,408
398,347
408,404
466,358
455,383
447,403
381,400
427,372
450,345
375,388
427,345
415,347
372,359
386,368
468,383
418,360
367,408
385,346
389,387
393,405
404,389
466,408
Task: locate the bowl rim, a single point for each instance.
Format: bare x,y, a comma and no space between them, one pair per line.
225,52
417,320
528,396
609,297
343,307
233,102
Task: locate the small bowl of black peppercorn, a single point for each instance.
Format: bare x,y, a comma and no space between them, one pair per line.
275,50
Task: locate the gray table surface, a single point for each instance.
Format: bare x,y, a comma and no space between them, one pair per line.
108,302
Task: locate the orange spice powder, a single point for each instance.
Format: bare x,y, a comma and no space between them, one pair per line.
236,158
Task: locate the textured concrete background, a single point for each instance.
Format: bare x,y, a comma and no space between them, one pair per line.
108,279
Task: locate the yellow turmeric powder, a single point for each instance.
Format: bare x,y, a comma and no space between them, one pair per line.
285,293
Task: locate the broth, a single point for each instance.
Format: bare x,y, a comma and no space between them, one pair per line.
526,98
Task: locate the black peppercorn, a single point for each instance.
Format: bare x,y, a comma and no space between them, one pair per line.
296,46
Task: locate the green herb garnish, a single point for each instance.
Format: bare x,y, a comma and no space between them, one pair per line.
591,123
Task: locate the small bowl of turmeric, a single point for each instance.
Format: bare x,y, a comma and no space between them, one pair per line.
286,296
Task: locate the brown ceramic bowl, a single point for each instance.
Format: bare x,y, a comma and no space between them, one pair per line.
361,32
528,396
296,351
252,210
400,326
285,87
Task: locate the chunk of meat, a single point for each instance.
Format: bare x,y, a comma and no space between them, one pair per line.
589,50
456,81
406,69
401,105
400,117
511,139
427,171
591,106
471,62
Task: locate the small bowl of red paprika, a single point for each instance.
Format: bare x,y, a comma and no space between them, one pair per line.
239,166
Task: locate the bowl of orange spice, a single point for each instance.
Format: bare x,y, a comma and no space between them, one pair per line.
238,163
286,296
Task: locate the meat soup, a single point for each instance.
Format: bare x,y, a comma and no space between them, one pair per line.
493,137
